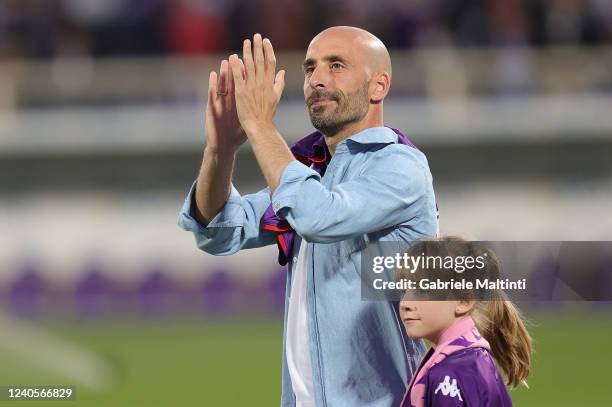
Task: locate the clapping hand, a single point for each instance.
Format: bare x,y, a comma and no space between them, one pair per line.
223,131
259,90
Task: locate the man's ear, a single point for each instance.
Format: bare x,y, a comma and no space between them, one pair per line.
464,306
381,83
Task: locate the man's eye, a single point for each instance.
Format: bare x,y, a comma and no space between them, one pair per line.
308,71
336,65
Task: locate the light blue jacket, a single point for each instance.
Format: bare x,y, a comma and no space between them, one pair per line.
374,189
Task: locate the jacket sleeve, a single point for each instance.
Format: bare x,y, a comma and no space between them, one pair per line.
236,226
389,191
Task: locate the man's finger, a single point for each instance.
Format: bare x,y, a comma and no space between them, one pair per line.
236,65
223,78
260,68
211,105
212,86
270,58
242,69
230,80
279,83
247,56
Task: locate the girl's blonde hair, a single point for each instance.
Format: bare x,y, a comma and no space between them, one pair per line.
503,326
499,321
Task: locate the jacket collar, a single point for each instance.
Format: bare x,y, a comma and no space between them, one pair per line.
314,146
375,135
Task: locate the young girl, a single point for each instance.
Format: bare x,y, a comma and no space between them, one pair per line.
467,333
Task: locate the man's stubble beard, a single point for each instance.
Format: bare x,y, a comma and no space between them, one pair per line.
350,108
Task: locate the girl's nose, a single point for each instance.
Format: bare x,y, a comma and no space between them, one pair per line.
407,306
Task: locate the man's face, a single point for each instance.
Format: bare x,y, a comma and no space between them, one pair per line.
336,86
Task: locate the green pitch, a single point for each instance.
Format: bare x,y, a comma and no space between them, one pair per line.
237,362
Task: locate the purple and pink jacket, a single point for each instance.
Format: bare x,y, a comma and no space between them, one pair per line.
459,371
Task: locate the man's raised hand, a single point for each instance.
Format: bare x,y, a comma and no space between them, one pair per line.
259,90
223,131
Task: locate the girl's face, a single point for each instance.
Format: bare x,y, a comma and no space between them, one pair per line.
428,319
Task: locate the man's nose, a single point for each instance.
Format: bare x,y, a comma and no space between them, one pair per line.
317,78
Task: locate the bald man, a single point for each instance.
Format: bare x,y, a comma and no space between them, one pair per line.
352,181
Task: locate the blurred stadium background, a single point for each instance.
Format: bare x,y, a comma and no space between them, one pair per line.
101,135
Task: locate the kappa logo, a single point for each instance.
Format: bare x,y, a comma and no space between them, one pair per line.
449,388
